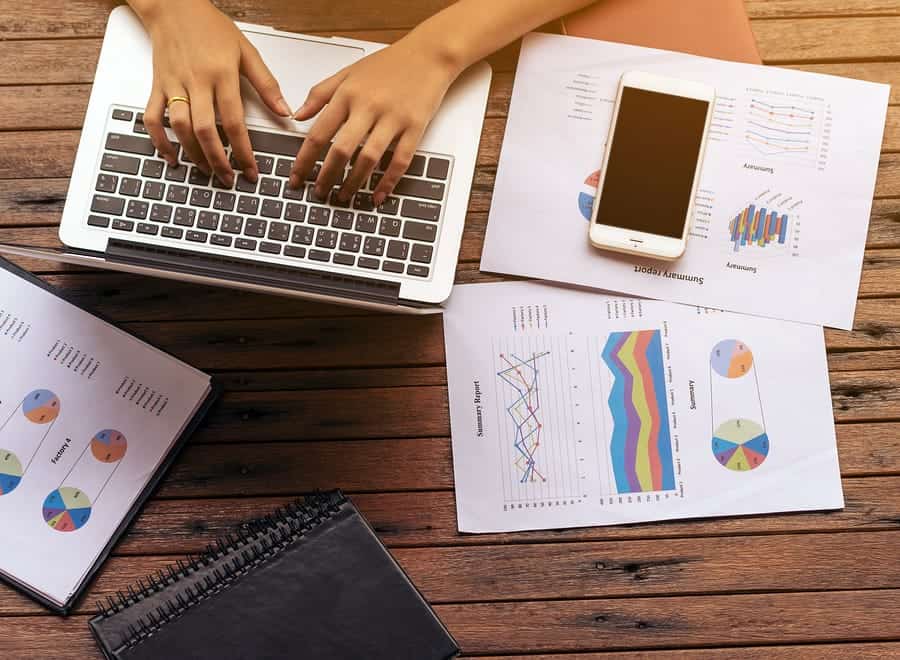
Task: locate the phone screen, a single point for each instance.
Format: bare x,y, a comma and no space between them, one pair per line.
650,171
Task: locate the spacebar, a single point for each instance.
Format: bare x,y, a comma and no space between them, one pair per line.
275,143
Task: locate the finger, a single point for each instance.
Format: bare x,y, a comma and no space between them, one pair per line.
180,120
377,143
319,96
153,120
231,110
316,142
403,155
257,73
346,142
203,117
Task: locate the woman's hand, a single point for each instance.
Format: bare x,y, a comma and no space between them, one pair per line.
200,54
389,95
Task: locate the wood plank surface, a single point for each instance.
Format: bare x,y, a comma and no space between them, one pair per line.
321,396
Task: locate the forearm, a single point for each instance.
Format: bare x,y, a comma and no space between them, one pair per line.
470,30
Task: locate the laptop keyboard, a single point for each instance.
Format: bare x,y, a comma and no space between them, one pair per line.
138,193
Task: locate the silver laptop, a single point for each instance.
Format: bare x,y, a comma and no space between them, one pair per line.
127,210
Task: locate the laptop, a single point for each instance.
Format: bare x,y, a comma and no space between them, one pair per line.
127,210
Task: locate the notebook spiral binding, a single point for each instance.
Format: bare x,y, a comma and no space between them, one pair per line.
253,543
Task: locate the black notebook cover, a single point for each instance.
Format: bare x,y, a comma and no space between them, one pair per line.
312,581
215,392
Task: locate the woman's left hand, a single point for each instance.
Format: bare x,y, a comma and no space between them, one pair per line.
387,96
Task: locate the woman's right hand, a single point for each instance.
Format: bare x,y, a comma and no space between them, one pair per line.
200,54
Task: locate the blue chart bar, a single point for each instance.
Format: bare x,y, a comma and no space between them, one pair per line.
754,227
782,234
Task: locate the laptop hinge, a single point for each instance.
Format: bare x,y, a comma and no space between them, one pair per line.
253,272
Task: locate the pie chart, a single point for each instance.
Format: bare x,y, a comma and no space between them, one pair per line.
731,358
66,509
740,445
587,194
10,472
41,406
108,446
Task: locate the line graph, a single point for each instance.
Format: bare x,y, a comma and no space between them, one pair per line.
787,127
522,376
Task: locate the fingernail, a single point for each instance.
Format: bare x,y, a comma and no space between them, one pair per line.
228,180
250,174
283,107
379,198
301,109
293,181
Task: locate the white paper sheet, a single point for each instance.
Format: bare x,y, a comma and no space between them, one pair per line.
804,147
87,414
571,408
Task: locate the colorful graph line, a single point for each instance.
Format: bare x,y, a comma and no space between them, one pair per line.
522,376
641,447
759,227
780,129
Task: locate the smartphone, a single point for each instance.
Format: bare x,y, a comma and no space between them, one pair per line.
651,168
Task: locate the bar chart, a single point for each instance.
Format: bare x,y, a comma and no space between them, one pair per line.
770,224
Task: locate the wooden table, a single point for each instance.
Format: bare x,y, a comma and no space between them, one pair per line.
323,397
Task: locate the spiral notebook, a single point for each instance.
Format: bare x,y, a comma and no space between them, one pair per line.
90,419
310,581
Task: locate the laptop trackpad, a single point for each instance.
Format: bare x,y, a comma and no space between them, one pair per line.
297,64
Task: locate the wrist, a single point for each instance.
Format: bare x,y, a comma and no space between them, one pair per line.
152,11
444,50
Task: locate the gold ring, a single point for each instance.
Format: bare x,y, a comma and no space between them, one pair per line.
175,99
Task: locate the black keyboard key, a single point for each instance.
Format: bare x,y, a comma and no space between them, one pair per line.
178,173
313,197
177,194
271,208
413,208
130,187
344,259
350,242
417,271
270,248
218,183
326,238
265,164
294,251
422,253
362,201
420,231
245,185
108,205
97,221
248,205
419,188
398,249
392,266
147,228
375,180
172,232
160,213
244,244
295,212
342,219
302,235
374,246
107,183
294,193
368,262
140,128
366,223
154,190
153,169
130,144
320,255
137,209
255,227
438,168
279,231
283,167
185,217
122,115
201,197
122,225
120,164
390,227
319,215
232,224
224,201
208,220
334,201
198,178
314,172
275,143
270,187
221,240
390,206
417,167
196,236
